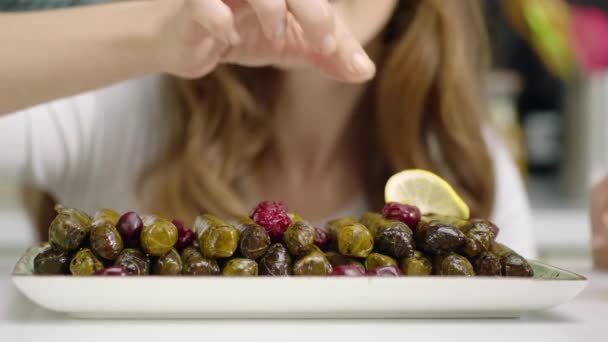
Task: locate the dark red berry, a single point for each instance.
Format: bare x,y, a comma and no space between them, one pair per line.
269,205
185,236
129,226
384,271
321,238
112,271
407,214
273,217
348,271
179,224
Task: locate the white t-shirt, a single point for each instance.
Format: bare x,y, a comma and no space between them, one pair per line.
88,151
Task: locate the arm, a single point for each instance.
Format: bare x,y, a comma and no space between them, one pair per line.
29,5
59,53
54,54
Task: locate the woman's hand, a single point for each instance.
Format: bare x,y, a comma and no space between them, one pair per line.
197,35
94,46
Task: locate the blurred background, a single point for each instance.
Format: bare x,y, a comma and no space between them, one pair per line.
548,97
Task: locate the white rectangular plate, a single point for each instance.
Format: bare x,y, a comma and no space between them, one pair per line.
297,297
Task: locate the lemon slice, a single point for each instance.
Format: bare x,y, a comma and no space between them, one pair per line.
429,192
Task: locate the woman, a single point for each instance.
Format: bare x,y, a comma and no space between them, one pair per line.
255,121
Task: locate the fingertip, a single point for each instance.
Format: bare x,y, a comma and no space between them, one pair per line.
370,74
361,64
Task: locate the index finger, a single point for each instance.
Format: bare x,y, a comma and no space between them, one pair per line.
272,16
316,17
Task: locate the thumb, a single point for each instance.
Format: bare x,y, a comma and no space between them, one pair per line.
349,64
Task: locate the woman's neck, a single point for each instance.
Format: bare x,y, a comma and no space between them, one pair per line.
313,119
312,123
313,164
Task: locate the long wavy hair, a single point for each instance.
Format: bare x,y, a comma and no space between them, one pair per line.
426,106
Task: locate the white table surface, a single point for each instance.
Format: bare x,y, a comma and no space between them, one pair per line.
583,319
